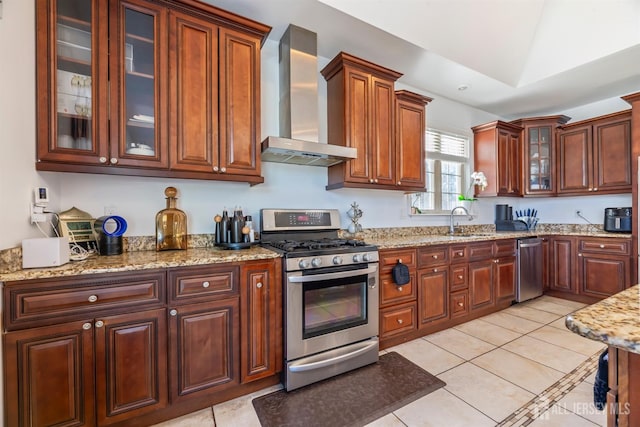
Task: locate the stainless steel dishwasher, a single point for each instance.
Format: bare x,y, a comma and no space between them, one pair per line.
529,271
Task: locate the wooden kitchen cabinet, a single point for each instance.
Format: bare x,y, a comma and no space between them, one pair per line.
497,153
492,274
261,326
604,266
562,264
398,303
204,330
183,80
595,155
106,342
384,126
538,153
433,286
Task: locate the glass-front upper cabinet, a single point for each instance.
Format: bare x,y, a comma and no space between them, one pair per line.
69,80
138,65
539,153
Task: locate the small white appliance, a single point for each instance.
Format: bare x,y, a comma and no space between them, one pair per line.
45,252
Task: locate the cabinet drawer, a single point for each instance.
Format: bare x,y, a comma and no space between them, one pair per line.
397,320
459,277
480,250
459,253
605,245
392,293
38,302
203,283
389,258
429,257
459,303
504,247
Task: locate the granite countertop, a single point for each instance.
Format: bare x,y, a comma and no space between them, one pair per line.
142,260
615,321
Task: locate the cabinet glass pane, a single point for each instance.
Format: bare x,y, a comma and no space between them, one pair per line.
139,67
539,158
73,74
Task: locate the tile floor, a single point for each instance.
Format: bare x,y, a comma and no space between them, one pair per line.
517,367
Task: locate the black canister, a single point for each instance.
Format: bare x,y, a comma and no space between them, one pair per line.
502,212
109,245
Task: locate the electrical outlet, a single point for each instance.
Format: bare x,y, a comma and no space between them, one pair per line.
110,210
37,214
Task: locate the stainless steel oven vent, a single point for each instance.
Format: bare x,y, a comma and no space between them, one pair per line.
298,141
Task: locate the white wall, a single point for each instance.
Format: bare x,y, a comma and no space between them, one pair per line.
138,199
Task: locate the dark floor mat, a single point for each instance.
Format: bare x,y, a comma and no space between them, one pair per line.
352,399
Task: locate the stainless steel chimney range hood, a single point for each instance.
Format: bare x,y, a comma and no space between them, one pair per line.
298,141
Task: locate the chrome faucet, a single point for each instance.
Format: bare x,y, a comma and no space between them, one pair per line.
451,228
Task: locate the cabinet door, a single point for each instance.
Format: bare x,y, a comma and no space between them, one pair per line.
131,365
382,137
539,161
261,334
505,278
410,148
49,376
612,155
562,265
433,296
138,70
575,160
357,113
203,348
481,292
72,78
508,163
239,103
601,276
194,129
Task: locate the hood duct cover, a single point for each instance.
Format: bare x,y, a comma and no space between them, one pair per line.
298,140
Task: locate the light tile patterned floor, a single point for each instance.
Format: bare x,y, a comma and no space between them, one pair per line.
518,367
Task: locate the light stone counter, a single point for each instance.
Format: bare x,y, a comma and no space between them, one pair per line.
615,321
142,260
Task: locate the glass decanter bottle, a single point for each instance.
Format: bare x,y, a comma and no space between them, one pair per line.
171,224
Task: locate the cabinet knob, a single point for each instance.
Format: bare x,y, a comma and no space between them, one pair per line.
86,326
595,189
495,261
435,270
460,276
93,298
400,321
460,253
400,260
399,288
371,180
259,285
102,160
579,254
99,324
435,256
173,312
375,180
113,160
460,304
399,183
223,170
205,284
601,246
215,169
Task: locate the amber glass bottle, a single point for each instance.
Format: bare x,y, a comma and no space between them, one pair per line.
171,224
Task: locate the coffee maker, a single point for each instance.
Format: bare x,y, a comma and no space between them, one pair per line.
504,220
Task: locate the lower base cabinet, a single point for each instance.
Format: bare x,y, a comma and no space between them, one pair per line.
623,398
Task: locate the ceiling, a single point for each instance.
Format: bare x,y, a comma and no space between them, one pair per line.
515,57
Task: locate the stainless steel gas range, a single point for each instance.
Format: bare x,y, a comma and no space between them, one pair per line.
330,296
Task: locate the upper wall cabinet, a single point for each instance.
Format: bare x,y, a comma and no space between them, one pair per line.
538,153
364,112
148,87
497,154
594,156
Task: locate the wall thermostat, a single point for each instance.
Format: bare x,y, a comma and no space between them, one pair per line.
41,196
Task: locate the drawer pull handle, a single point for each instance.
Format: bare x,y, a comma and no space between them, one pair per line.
99,324
259,285
400,321
435,256
93,298
460,276
399,288
400,260
173,312
460,253
205,284
460,304
86,326
601,246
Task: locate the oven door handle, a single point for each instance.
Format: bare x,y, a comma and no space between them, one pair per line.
329,276
333,360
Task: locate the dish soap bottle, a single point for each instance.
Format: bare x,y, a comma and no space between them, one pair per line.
171,224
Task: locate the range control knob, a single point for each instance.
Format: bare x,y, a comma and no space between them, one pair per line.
366,257
337,260
316,262
304,263
357,258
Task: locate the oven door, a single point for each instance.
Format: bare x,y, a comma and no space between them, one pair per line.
329,310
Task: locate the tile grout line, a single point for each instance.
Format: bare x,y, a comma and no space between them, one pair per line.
536,407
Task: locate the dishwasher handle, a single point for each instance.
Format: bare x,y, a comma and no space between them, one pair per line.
529,243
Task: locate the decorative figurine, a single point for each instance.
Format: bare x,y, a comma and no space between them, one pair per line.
355,213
